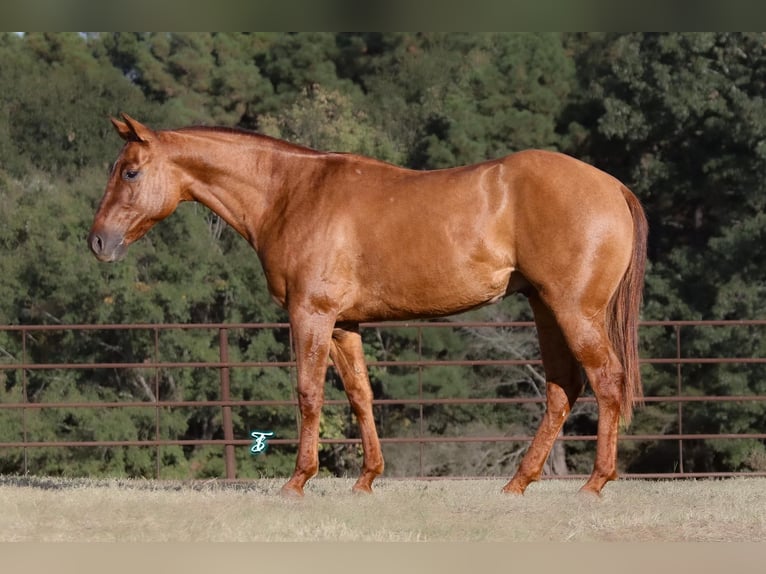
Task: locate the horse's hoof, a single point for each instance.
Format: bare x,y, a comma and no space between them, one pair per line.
291,492
513,489
362,489
587,493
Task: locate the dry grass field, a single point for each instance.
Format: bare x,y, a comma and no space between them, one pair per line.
78,510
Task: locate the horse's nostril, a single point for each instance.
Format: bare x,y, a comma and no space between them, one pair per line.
96,244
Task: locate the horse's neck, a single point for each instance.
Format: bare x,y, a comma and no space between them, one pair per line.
243,177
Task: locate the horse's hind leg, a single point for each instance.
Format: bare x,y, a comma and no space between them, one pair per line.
348,356
587,336
563,385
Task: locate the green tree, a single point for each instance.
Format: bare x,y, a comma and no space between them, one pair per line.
56,98
197,77
453,99
330,121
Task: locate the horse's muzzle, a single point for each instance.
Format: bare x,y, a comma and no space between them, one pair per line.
105,246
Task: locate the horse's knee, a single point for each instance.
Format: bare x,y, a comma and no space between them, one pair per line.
310,402
359,397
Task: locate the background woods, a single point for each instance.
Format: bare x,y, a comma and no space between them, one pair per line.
680,118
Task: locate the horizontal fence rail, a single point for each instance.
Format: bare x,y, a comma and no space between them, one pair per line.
24,366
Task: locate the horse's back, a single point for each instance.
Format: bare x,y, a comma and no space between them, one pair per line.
544,180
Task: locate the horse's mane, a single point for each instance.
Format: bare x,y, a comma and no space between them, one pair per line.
276,142
236,131
222,129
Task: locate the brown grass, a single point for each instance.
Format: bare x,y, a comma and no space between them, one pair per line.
36,509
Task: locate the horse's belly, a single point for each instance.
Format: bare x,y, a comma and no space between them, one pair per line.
430,297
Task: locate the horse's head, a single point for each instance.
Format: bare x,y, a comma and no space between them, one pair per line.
144,188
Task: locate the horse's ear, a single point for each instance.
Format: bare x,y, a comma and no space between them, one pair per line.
122,129
132,130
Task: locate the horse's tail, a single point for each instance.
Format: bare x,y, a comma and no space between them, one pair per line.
623,312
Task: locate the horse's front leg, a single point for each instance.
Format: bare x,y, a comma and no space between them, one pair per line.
311,339
348,356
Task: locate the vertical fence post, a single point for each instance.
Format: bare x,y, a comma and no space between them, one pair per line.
157,450
24,396
228,430
679,393
420,396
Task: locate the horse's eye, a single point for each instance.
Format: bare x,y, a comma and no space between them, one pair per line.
130,174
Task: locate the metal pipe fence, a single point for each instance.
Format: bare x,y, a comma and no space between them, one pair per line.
23,365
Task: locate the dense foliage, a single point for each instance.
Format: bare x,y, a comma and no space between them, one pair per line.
681,118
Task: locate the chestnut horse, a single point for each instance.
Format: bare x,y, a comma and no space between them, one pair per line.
345,239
